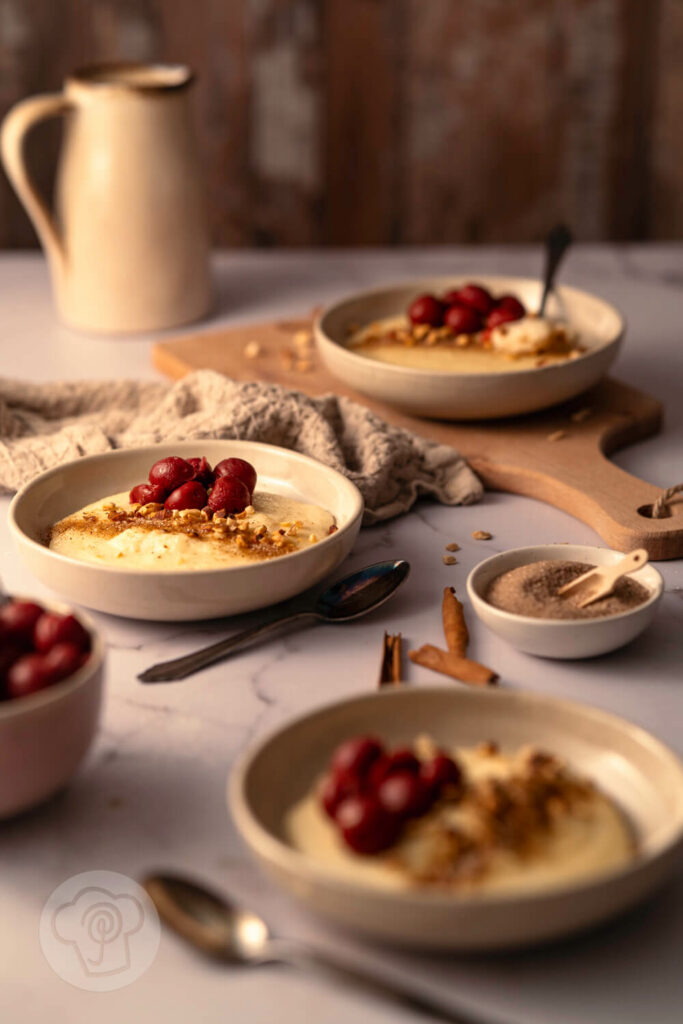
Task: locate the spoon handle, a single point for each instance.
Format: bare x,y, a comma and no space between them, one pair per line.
289,952
179,668
558,241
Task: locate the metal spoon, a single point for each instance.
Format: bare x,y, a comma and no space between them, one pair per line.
346,599
236,936
556,244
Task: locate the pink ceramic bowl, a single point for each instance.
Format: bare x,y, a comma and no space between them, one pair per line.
45,736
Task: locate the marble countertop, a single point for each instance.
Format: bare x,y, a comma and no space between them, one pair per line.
152,792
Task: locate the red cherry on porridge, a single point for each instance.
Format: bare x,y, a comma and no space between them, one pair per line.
240,469
462,320
511,304
439,772
189,495
404,794
230,494
365,825
170,472
62,660
334,788
27,675
18,619
426,309
500,316
202,471
402,760
476,298
354,757
51,629
143,493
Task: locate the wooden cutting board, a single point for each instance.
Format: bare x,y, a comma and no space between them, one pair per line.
517,455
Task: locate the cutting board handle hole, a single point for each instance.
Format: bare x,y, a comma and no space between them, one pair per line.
646,511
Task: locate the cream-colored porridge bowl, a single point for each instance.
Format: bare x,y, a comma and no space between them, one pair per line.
186,594
470,396
635,770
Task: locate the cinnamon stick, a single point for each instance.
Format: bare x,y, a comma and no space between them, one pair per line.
454,625
390,669
451,664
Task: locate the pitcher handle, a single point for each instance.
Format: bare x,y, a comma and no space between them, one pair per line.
15,126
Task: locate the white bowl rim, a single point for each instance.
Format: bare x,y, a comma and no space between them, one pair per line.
530,620
173,574
50,694
297,862
404,371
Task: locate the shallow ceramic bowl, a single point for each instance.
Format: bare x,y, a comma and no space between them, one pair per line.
635,769
45,736
470,396
182,595
562,638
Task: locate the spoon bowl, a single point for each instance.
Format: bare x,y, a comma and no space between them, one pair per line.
361,591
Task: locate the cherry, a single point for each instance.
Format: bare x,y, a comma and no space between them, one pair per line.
239,468
404,794
354,757
462,320
426,309
170,472
512,304
365,825
51,629
402,760
18,619
143,493
189,495
202,471
334,788
475,297
441,771
27,675
230,494
63,660
9,653
500,316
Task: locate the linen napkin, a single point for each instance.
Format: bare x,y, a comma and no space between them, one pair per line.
45,425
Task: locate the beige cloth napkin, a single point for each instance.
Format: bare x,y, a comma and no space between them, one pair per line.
45,425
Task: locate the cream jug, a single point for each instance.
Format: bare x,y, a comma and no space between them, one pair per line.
128,249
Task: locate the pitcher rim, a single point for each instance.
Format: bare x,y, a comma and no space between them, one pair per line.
94,76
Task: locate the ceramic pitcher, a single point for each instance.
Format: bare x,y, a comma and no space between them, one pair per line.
128,247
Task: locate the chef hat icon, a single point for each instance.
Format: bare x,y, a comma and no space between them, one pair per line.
98,924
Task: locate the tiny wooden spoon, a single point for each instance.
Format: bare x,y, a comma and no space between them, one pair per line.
600,581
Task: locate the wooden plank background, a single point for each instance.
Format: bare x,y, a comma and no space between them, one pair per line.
338,122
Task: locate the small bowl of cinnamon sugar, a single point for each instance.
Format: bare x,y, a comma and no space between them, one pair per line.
515,594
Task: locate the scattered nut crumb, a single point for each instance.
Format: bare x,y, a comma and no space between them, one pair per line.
557,435
449,559
313,538
452,546
252,350
488,748
303,365
481,535
580,415
303,341
287,359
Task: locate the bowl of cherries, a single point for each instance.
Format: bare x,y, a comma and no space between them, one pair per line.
51,667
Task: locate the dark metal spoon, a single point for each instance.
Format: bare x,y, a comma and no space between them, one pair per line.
346,599
556,244
236,936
